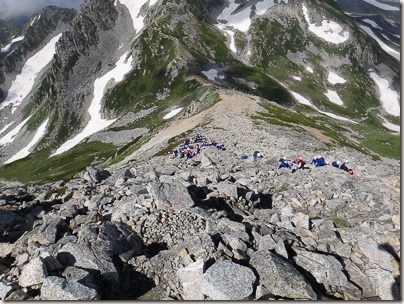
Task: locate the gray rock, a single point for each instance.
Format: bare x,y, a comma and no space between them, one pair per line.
33,273
226,280
280,277
55,288
227,189
47,232
206,162
360,279
373,251
5,290
351,292
190,278
384,283
281,249
224,225
234,242
266,242
325,268
7,218
95,175
79,275
80,255
170,197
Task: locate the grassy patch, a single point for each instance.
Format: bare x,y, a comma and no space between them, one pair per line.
38,167
341,223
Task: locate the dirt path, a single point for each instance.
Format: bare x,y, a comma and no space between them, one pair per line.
231,113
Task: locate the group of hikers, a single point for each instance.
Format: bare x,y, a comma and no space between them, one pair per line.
317,161
192,146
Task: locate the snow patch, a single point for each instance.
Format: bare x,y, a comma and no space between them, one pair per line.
307,102
388,97
8,46
334,97
384,46
334,78
229,20
309,69
97,123
172,113
24,82
297,78
328,30
212,74
10,136
372,23
390,126
26,151
383,6
262,7
134,7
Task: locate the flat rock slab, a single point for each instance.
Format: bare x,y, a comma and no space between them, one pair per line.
226,280
280,277
170,197
325,268
191,280
55,288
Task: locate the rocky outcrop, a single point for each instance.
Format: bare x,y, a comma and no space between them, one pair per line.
173,229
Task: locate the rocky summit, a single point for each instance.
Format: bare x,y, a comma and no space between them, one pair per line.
213,227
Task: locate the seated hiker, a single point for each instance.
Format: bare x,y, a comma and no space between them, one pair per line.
345,166
336,164
283,163
314,160
320,162
301,164
256,154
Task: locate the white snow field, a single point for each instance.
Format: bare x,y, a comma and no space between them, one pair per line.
307,102
334,78
26,151
24,82
8,46
229,20
134,7
10,136
390,126
329,30
390,99
297,78
96,122
172,113
384,46
383,6
334,97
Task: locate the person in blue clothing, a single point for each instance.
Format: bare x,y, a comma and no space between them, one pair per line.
321,162
336,164
283,163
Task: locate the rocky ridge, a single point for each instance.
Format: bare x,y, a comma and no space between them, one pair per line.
214,227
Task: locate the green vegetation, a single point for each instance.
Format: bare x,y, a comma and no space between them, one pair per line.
341,223
38,167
